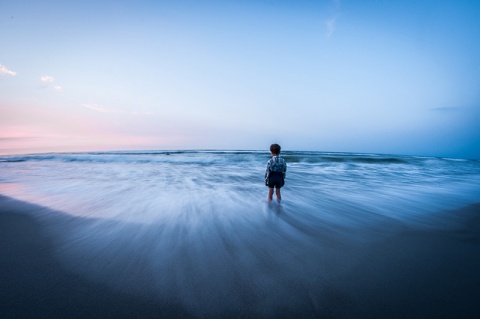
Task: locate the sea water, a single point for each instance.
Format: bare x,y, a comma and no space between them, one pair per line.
194,227
146,187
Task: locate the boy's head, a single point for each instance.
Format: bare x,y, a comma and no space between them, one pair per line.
275,149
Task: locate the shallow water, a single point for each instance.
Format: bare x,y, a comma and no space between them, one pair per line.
194,227
146,187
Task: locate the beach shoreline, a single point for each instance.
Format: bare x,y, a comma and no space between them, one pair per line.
35,285
417,274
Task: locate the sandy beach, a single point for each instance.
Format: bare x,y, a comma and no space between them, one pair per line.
34,284
414,274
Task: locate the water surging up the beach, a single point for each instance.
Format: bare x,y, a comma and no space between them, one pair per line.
146,187
193,227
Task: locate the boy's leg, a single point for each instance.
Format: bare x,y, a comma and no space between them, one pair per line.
277,192
270,194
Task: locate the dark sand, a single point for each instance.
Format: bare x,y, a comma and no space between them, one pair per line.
418,273
34,285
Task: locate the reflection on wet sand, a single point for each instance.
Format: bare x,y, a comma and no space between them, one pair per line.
280,264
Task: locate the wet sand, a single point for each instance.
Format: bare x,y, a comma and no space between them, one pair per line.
413,273
35,285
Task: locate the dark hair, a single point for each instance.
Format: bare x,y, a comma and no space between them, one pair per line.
275,149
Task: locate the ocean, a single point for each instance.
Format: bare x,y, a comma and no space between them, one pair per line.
193,228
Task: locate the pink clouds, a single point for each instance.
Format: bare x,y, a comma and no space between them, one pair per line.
47,79
4,70
24,139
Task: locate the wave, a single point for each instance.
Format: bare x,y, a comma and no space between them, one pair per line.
345,159
116,184
222,156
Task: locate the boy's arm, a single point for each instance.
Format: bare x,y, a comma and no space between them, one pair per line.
267,170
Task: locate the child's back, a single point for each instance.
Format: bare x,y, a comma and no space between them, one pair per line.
275,173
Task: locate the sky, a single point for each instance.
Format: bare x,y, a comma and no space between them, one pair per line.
390,77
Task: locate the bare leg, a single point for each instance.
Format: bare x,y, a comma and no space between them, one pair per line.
279,196
270,194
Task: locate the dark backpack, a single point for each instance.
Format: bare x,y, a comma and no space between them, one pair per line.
278,165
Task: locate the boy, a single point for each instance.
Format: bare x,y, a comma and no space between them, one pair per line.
275,173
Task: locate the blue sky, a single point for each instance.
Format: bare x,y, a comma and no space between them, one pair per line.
398,77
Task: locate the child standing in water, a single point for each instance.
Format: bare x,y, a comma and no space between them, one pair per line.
275,173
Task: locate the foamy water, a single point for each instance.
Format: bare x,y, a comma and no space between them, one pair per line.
146,187
193,227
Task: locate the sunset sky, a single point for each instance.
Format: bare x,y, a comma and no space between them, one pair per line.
395,77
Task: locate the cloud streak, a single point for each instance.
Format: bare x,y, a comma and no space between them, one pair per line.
446,109
4,70
330,24
47,79
98,108
102,109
